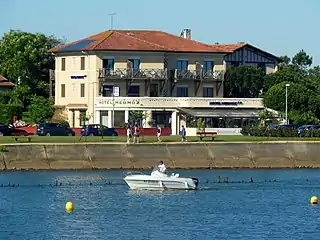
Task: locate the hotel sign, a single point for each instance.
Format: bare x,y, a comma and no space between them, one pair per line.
122,102
177,102
226,103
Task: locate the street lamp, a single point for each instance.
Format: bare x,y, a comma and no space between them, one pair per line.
287,85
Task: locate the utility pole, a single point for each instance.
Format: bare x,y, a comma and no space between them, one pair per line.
287,85
111,18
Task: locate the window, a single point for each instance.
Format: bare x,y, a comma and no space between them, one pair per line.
208,66
154,89
83,63
182,64
63,64
108,63
107,90
182,91
208,92
135,63
63,90
82,117
134,91
82,89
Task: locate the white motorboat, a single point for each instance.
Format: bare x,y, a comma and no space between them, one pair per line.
159,181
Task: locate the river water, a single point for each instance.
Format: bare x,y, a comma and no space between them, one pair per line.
274,206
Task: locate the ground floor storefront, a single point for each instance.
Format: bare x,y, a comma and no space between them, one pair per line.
225,120
168,112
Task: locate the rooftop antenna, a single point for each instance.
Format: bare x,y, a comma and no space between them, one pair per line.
111,16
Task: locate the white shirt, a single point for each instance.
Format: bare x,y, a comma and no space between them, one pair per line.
162,168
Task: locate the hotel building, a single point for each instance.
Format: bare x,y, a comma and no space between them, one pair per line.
172,79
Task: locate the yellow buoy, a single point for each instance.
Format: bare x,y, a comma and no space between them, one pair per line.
314,200
69,206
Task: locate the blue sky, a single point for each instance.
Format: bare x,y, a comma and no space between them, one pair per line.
282,27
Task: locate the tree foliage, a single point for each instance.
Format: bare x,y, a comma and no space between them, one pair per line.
24,59
303,92
243,81
41,109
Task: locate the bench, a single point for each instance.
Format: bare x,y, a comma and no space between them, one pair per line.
16,138
202,135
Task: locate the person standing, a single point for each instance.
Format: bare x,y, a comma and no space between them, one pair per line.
129,134
183,134
136,137
159,133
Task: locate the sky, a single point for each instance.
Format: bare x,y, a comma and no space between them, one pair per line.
281,27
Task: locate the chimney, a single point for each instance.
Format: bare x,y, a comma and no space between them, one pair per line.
186,33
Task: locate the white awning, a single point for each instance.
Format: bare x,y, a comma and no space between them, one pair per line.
241,113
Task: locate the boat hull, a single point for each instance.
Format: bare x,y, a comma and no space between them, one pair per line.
146,182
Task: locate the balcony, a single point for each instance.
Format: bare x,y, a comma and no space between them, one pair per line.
133,74
197,75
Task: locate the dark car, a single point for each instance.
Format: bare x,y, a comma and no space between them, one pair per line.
307,128
289,126
6,130
54,129
97,130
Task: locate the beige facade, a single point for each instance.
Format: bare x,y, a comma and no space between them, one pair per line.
77,81
173,80
78,87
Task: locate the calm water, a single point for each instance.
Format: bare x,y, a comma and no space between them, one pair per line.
106,209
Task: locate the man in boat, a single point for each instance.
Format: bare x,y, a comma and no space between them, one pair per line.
162,168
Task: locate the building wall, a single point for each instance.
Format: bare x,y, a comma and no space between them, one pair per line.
252,57
147,60
5,88
73,86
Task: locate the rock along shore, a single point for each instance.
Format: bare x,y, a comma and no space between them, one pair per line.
60,156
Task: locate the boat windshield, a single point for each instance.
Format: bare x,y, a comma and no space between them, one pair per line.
155,168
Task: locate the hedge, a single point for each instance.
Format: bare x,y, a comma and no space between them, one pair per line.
279,132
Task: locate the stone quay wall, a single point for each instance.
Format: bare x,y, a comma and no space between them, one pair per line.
34,156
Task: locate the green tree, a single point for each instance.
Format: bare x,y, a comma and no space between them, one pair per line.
244,82
137,116
24,59
304,117
264,116
302,60
7,111
41,109
201,125
298,97
285,75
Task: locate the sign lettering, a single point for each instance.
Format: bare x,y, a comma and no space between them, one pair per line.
226,103
119,102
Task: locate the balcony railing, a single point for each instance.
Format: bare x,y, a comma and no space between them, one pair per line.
127,73
197,75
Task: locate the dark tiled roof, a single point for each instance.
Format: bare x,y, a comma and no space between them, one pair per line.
139,40
231,47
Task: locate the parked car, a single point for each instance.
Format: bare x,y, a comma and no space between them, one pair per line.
97,130
6,130
307,128
54,129
289,126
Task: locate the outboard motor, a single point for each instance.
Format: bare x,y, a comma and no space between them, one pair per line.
196,181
